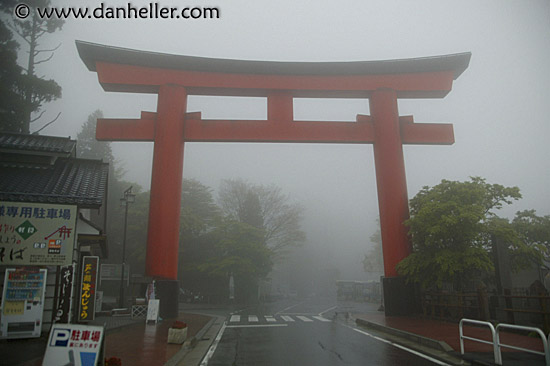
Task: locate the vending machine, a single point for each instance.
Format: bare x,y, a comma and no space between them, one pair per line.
23,302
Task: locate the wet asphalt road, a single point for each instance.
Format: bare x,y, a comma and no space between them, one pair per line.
303,333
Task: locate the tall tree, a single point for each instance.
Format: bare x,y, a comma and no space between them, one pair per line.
213,247
12,102
266,208
449,227
34,90
373,262
88,146
534,231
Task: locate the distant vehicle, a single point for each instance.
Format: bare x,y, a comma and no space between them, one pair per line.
358,290
293,294
188,296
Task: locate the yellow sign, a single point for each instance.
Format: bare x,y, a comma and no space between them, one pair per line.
14,307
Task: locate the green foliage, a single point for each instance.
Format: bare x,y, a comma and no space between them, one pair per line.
373,261
25,93
213,246
435,267
534,231
88,146
199,212
266,208
238,250
12,103
450,227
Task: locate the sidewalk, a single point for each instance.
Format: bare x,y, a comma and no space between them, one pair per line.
131,340
444,336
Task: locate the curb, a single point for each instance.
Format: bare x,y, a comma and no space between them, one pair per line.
424,341
189,348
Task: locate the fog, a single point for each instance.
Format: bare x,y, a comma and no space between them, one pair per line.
499,106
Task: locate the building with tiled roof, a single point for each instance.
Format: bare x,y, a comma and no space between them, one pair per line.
52,214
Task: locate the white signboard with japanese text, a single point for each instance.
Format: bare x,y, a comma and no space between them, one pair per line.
37,233
153,311
73,344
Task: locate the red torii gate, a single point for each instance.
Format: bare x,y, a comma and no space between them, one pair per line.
174,77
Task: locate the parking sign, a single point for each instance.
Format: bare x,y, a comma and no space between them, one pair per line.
75,345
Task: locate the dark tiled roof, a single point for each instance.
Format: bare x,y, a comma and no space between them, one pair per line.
37,144
69,181
91,53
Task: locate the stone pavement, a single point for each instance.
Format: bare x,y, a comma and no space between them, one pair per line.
131,340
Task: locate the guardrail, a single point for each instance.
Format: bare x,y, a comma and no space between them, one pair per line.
496,350
497,345
546,352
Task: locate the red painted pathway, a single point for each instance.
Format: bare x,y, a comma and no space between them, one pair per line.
448,332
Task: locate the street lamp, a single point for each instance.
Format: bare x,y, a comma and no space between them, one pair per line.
128,198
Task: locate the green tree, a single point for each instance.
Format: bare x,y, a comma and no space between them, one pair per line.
534,232
238,250
373,262
266,208
88,146
449,226
212,247
12,102
33,90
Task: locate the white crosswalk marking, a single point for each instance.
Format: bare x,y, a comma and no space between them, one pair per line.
271,319
252,318
321,318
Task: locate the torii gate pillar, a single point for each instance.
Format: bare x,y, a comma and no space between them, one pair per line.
391,181
166,180
174,77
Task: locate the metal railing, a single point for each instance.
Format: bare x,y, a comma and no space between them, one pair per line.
546,352
497,345
496,351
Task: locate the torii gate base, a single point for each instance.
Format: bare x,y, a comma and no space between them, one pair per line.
175,77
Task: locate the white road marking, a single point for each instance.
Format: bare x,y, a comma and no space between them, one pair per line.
436,361
235,318
257,325
252,318
213,347
321,318
287,318
290,307
326,311
270,319
303,318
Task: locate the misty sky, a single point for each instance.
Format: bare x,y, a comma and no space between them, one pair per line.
500,106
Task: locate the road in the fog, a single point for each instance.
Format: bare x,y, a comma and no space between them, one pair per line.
302,333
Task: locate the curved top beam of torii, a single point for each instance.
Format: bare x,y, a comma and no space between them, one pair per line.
428,77
174,77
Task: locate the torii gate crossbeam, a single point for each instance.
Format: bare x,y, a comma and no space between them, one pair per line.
173,78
